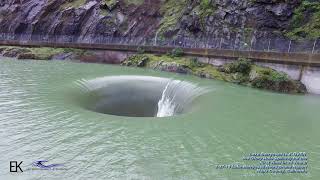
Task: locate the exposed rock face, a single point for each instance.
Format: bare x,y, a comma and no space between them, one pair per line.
239,18
273,16
77,17
195,18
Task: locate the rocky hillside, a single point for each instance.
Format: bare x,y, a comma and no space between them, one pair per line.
166,18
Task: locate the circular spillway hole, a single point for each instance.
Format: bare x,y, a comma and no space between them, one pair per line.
139,96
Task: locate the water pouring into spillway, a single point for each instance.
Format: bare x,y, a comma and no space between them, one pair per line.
139,96
45,114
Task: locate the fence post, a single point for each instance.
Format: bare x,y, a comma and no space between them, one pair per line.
289,46
314,46
233,43
269,45
156,38
250,46
220,43
207,42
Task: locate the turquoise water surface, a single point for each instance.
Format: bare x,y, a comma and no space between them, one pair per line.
42,118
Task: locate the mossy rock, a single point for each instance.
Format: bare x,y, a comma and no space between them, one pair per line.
43,53
2,49
14,51
242,72
177,52
269,79
26,56
240,66
136,61
109,4
171,67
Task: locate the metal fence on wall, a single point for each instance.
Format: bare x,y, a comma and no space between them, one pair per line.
261,44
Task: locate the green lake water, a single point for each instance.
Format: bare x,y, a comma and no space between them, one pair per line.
41,119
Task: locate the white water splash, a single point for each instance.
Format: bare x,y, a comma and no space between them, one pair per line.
176,96
166,106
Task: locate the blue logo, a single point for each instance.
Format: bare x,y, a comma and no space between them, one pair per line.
42,164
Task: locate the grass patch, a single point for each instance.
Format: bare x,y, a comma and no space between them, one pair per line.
242,72
305,22
42,53
172,11
73,4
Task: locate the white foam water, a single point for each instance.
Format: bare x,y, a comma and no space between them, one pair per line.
166,106
176,96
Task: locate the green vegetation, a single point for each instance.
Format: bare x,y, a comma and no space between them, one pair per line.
242,71
135,2
109,3
172,12
47,53
42,53
112,3
106,6
176,52
206,8
272,80
241,66
140,50
73,4
194,63
137,61
306,21
152,59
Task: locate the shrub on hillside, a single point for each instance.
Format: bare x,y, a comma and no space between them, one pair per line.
240,66
177,52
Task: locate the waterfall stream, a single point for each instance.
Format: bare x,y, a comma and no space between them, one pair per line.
166,106
99,121
176,96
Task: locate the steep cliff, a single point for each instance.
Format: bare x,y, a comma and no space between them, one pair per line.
167,18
